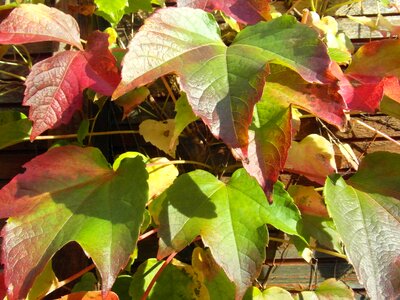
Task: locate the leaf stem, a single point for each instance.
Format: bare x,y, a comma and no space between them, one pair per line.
329,252
153,281
376,131
180,162
168,87
22,78
74,135
147,234
71,278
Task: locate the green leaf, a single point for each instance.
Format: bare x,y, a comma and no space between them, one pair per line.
184,116
71,194
222,83
283,214
83,130
369,225
14,128
330,289
269,294
112,11
229,217
177,281
136,5
87,282
390,107
121,287
379,172
46,281
218,284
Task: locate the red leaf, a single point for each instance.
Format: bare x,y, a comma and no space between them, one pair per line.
3,288
374,71
29,23
55,85
244,11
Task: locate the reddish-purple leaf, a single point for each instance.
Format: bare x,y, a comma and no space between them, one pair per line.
29,23
71,194
244,11
373,72
55,85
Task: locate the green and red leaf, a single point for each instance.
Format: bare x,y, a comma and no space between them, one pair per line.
71,194
54,87
222,83
244,11
29,23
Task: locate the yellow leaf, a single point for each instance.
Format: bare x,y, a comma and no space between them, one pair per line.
313,157
159,133
161,175
308,200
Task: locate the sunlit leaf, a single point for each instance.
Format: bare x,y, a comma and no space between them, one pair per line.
269,294
160,134
373,71
136,5
269,142
177,281
30,23
229,217
112,11
313,157
71,194
218,284
14,128
244,11
308,200
45,282
55,85
330,289
93,295
184,116
369,225
222,83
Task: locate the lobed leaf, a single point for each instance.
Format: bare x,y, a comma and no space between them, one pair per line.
373,71
327,290
244,11
29,23
71,194
55,85
375,220
192,48
92,295
112,11
14,128
229,217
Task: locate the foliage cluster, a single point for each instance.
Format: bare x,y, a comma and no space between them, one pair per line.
247,86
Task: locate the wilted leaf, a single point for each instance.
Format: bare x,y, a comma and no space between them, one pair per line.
218,284
373,71
379,172
308,200
14,128
54,86
229,217
184,116
29,23
132,99
222,83
269,142
71,194
160,134
313,157
244,11
269,294
369,225
330,289
93,295
177,281
322,100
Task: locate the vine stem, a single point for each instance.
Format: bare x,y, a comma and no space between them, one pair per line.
153,281
377,131
333,253
22,78
74,135
147,234
167,86
179,162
